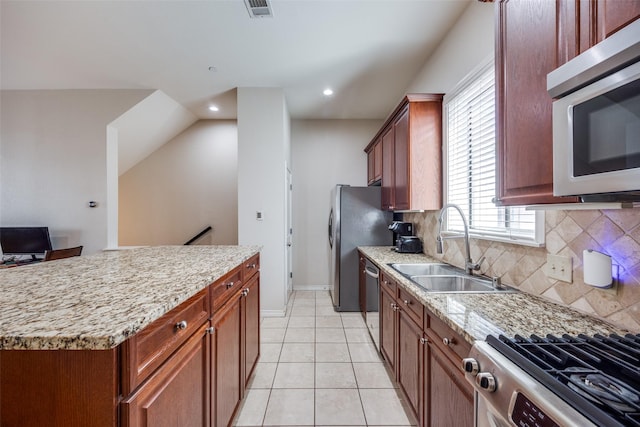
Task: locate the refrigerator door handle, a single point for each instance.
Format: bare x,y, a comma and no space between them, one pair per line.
331,228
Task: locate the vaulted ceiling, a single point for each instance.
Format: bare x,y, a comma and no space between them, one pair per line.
198,52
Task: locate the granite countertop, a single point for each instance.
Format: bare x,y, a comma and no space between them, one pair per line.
474,316
98,301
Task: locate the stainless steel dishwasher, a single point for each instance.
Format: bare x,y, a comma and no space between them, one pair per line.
372,318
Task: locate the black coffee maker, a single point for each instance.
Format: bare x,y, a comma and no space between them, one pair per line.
401,228
406,242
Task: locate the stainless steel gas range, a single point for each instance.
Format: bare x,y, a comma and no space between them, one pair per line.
556,381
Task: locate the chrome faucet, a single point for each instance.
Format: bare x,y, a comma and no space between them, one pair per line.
470,266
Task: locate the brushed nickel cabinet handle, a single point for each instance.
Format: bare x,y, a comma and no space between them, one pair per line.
182,325
448,341
423,340
406,302
230,285
211,330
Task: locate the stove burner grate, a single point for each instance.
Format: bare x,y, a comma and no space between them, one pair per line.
600,376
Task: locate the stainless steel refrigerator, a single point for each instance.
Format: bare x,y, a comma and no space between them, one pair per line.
355,220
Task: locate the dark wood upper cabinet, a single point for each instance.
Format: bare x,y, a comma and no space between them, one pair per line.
388,169
411,147
401,164
374,163
525,54
584,23
612,15
533,37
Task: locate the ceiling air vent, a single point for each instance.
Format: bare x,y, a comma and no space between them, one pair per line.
259,8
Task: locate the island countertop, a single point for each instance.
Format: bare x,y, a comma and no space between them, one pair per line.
474,316
98,301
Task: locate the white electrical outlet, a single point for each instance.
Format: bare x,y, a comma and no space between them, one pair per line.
559,268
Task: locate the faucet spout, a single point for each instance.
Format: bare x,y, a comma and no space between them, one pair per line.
470,266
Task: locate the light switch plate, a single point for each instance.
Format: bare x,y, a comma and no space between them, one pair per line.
559,268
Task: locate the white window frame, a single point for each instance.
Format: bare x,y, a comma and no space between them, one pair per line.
538,237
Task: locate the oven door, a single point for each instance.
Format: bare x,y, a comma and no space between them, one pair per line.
596,137
488,416
518,398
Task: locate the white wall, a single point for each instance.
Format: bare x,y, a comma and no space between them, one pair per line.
468,43
263,153
181,188
324,153
53,161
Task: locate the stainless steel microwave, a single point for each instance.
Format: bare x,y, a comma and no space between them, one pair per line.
596,121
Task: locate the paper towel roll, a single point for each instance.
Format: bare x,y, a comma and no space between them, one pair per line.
597,268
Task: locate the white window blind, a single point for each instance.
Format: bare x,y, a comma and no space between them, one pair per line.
470,166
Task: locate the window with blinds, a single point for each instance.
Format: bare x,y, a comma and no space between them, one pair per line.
470,167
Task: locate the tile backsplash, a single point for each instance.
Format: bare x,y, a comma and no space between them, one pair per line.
568,233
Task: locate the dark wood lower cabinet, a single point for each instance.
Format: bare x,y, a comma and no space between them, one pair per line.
410,363
251,326
450,402
59,388
227,361
388,329
177,394
423,355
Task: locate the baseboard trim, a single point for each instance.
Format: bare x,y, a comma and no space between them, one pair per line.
311,288
272,313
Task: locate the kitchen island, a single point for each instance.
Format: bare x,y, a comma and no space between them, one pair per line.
132,337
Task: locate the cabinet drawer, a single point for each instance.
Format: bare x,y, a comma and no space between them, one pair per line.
222,289
177,393
144,352
411,306
388,284
250,267
446,338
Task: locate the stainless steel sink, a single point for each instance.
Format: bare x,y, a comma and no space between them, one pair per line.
445,278
434,269
453,284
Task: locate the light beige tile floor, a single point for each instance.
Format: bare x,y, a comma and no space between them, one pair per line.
319,367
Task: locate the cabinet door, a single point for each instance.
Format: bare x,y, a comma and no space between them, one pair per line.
401,141
377,163
525,54
584,23
388,169
370,166
388,328
612,15
449,395
177,394
227,358
251,326
410,362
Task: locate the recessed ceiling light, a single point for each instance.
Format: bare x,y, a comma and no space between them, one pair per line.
327,92
214,108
